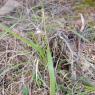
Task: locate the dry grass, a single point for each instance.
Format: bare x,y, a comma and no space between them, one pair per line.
21,67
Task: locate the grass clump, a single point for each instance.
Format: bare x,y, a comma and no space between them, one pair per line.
43,52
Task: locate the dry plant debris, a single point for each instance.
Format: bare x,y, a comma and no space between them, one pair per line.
71,38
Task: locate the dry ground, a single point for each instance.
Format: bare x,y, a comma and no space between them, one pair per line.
72,49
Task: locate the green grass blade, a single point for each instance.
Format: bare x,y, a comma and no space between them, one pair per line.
37,47
51,73
25,91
